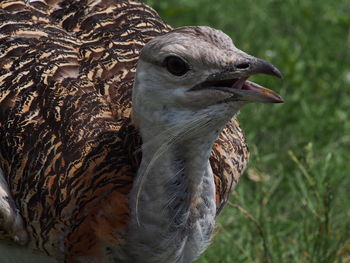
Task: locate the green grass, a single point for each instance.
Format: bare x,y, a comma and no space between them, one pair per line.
293,203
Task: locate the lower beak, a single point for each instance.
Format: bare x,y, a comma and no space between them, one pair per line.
253,92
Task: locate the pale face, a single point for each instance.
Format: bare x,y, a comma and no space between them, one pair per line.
195,69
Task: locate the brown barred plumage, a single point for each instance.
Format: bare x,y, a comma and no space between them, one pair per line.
67,144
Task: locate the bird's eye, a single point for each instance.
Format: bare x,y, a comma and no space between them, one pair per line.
176,65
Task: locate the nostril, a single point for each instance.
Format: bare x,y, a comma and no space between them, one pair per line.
242,65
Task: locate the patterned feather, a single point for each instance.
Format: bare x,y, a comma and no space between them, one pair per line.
68,147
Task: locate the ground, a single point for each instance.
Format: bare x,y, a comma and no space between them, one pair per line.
293,203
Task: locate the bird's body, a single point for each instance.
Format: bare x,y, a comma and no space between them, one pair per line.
70,149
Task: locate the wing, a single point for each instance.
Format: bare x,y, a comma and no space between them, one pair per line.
228,160
67,142
67,146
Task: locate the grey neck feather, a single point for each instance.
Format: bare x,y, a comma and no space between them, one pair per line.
173,198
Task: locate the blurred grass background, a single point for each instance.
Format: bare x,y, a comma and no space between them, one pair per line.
293,203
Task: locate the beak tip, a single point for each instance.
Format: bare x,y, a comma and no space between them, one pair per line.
265,67
278,73
279,99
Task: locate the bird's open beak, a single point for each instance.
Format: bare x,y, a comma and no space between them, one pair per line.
234,81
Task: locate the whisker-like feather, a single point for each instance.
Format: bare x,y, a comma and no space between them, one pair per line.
189,127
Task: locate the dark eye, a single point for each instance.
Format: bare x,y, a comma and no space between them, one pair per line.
176,65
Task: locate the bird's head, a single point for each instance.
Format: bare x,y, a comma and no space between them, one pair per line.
194,70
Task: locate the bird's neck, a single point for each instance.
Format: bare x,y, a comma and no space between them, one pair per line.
173,197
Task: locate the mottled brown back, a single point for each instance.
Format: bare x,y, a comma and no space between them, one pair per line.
67,144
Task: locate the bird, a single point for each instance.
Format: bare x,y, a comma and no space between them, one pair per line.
118,134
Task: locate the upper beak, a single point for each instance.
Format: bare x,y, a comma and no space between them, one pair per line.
257,65
234,80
